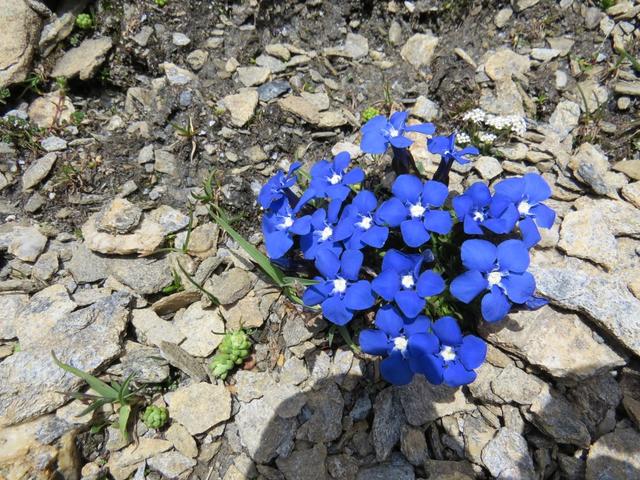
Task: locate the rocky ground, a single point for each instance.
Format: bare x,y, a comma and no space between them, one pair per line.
96,178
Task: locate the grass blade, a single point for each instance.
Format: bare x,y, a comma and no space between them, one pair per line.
123,420
95,383
94,406
200,288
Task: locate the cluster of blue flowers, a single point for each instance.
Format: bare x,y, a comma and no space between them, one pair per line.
372,252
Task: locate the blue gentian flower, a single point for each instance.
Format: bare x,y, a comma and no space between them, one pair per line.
414,208
278,228
476,208
378,133
402,281
339,291
321,235
527,194
358,227
500,270
446,148
403,342
453,359
278,187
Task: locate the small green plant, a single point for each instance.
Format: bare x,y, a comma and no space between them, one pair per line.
369,113
233,350
175,286
77,117
4,95
119,394
20,133
161,3
84,21
155,417
607,4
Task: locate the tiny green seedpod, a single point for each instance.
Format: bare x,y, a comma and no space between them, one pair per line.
155,417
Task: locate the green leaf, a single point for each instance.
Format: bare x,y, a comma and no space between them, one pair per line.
96,384
123,420
94,406
300,281
200,288
258,257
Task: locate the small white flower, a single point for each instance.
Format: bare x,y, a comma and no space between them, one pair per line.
463,139
486,137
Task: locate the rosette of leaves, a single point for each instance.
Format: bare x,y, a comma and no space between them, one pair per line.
233,350
155,417
84,21
118,394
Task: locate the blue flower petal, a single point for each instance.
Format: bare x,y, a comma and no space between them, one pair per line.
448,331
455,375
350,264
365,201
355,175
400,142
389,320
374,342
321,170
315,294
301,226
327,263
423,344
277,243
471,227
395,369
423,128
429,283
478,255
544,216
439,145
530,233
376,124
420,324
467,286
512,188
472,352
431,366
398,261
409,303
341,161
536,189
434,193
376,236
398,119
438,221
373,142
462,204
386,284
494,305
335,310
519,286
359,296
392,212
480,194
513,256
497,225
407,188
413,232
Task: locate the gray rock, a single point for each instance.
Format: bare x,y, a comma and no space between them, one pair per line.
180,359
305,464
565,117
88,339
449,470
425,109
165,162
241,106
507,456
413,445
19,30
251,76
38,171
294,371
356,46
170,219
152,330
274,89
144,275
477,434
487,167
615,456
515,385
171,464
10,306
419,49
86,266
46,266
180,39
118,216
25,243
231,286
549,339
395,33
596,400
630,386
203,328
556,417
361,408
387,423
397,468
585,234
84,60
177,76
520,5
296,330
144,363
271,63
325,424
200,406
35,202
182,440
423,402
604,298
342,467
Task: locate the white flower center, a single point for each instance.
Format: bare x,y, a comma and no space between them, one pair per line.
286,222
523,208
393,132
339,285
365,223
494,278
416,210
478,216
335,178
326,233
448,354
400,343
407,281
